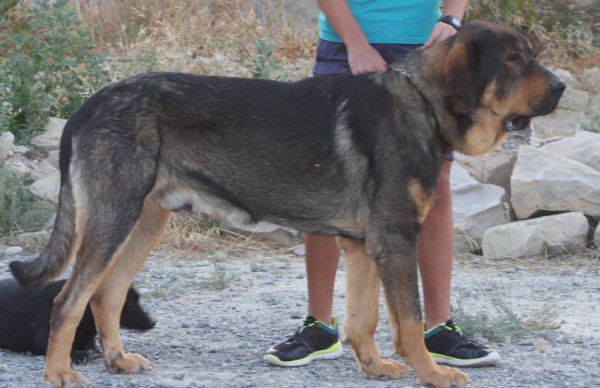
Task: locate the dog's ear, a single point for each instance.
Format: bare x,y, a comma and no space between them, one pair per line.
459,78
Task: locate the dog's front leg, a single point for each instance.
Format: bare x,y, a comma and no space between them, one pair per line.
362,307
398,269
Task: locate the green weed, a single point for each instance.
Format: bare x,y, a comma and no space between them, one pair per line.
48,66
219,277
501,319
19,209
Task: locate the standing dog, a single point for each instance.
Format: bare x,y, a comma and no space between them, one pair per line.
25,319
349,156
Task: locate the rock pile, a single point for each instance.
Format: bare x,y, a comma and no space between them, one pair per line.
551,180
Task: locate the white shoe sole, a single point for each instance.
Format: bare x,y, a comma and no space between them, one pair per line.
271,359
491,359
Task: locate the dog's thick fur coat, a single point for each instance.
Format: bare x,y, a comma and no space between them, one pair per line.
349,156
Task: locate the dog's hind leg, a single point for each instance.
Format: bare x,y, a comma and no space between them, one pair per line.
68,309
105,222
362,308
107,233
109,298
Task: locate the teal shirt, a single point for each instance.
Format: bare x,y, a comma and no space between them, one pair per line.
389,21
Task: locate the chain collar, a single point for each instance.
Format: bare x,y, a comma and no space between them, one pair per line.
402,71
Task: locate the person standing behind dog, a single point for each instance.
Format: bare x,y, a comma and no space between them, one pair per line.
360,36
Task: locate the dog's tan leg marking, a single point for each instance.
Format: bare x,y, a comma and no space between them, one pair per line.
362,308
109,298
408,340
68,309
407,334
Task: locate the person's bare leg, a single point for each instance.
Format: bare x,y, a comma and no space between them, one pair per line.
436,248
322,258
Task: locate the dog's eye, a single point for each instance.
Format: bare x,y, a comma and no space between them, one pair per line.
513,57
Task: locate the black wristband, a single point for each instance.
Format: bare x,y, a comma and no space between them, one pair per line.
451,21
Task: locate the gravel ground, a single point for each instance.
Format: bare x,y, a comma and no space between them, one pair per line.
216,338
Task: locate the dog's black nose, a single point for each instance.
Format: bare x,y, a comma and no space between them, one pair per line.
558,87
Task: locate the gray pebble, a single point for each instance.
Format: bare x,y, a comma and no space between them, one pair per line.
525,342
594,342
10,251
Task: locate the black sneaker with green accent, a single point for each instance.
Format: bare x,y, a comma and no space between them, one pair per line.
313,340
448,345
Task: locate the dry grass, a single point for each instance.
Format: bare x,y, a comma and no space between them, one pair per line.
202,37
203,235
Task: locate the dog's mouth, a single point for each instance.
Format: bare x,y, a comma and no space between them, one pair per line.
516,123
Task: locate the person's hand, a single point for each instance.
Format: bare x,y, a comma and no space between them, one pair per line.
365,59
440,32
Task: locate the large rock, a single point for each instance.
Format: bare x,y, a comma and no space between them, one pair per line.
597,237
560,233
592,77
52,158
50,139
26,168
584,147
574,99
542,180
476,207
595,109
6,142
46,188
494,168
561,122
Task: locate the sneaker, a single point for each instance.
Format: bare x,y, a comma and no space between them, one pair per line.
313,340
448,345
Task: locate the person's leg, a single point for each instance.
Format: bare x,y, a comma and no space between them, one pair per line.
444,340
322,258
436,249
317,337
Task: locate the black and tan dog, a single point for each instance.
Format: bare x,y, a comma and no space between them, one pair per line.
349,156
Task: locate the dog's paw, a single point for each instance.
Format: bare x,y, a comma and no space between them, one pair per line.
445,377
391,369
127,363
67,379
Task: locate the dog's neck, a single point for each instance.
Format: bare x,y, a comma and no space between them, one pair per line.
424,69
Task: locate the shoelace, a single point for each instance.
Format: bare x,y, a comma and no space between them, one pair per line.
455,331
298,334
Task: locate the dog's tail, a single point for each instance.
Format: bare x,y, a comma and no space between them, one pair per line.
55,256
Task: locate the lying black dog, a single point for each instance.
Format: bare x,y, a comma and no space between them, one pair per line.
25,319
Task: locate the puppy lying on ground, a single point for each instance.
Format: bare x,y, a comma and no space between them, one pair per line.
25,319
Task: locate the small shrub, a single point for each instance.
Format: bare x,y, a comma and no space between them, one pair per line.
501,320
48,66
19,209
262,63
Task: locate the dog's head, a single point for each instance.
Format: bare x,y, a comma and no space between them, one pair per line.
133,315
493,85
